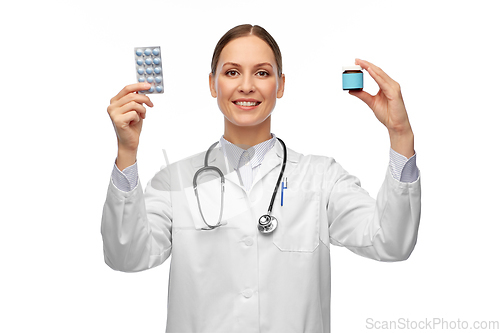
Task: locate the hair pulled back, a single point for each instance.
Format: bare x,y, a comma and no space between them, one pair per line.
243,31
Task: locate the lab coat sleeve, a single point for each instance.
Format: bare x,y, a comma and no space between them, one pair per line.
136,228
384,229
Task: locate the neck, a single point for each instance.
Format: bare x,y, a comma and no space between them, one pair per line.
247,136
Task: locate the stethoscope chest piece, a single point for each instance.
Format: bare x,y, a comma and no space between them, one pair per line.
267,224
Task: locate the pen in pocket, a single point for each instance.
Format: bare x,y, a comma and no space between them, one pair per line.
284,186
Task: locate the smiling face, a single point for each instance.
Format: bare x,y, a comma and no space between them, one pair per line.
246,85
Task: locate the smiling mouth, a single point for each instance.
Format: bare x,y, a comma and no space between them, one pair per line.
240,103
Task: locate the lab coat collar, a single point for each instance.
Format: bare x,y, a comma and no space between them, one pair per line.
258,152
273,159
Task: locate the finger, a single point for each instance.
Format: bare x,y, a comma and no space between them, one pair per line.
366,64
139,98
117,107
134,106
386,84
364,96
135,87
129,119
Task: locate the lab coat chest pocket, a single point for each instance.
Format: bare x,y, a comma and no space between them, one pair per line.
298,221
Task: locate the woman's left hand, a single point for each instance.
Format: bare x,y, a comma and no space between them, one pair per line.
388,107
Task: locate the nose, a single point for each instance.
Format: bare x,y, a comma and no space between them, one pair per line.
246,84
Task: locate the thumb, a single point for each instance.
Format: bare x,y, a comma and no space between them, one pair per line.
364,96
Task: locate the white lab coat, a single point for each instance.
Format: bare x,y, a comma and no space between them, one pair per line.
235,279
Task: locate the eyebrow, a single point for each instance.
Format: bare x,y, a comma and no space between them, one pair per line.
238,65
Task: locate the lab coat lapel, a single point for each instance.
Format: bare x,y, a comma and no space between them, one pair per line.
271,161
229,173
209,202
218,159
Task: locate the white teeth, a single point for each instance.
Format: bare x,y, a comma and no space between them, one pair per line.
246,103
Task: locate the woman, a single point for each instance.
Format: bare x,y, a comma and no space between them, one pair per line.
226,274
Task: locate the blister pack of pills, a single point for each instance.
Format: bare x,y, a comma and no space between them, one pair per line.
148,68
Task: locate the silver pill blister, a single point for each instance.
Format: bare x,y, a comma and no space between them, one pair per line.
148,68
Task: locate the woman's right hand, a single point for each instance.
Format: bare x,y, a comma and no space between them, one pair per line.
127,112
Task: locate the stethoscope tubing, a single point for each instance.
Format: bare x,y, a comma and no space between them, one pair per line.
207,167
195,187
283,165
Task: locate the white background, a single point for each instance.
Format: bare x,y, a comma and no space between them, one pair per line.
62,61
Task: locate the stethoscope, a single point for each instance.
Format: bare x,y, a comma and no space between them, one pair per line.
267,223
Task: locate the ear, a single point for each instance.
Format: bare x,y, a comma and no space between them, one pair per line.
281,86
211,81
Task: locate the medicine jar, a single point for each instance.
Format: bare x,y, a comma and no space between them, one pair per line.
352,77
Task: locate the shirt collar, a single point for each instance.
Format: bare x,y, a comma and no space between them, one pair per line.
257,153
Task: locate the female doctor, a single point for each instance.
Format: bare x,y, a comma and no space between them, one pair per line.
250,247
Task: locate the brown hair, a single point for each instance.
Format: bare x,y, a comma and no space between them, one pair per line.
243,31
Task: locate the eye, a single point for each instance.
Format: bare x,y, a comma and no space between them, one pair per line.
231,73
262,73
